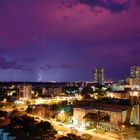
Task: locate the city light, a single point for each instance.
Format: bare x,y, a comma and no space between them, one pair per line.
134,93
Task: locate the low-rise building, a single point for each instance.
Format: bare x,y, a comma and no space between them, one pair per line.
120,111
119,94
54,91
42,111
117,115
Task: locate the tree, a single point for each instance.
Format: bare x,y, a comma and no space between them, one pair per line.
87,96
101,91
95,119
16,122
73,137
23,122
2,95
29,109
64,138
3,114
86,137
70,89
44,129
29,125
130,130
15,113
91,118
70,137
106,118
87,90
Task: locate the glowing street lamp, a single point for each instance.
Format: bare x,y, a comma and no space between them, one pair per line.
61,114
62,111
134,93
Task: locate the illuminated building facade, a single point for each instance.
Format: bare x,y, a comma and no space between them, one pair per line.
135,75
41,111
117,116
55,91
99,76
25,91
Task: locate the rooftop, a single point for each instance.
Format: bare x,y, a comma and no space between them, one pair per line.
105,108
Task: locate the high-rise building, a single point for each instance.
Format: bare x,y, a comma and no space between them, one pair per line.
25,91
99,76
135,74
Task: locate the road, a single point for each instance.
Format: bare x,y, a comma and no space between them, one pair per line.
80,132
66,128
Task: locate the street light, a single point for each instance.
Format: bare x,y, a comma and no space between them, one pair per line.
61,114
134,93
62,111
122,130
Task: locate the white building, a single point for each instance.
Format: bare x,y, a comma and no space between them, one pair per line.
44,91
117,115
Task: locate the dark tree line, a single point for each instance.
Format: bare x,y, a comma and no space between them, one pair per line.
31,127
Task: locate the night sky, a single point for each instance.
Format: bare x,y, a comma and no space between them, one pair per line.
63,40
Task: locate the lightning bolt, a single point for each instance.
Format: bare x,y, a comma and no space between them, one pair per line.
39,77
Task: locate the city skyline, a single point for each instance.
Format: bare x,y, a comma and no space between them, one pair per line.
63,40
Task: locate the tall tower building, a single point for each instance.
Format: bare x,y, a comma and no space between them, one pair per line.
25,91
135,74
98,76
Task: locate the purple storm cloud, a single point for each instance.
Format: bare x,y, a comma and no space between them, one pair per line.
64,39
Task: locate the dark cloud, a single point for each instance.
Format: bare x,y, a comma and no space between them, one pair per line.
65,44
28,60
111,5
61,66
138,2
69,4
66,66
4,64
